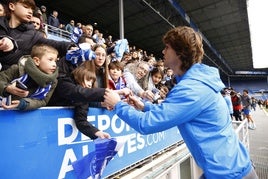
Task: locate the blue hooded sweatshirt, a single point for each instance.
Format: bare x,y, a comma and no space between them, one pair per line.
196,106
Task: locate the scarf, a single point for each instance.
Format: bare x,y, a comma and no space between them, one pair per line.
82,54
43,80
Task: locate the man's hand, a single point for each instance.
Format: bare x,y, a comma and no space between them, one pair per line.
149,95
136,102
124,92
111,97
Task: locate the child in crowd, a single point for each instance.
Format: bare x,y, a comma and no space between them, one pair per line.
116,80
18,36
155,78
38,75
163,91
160,64
85,78
168,75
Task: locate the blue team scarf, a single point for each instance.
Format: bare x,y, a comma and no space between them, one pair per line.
121,47
40,92
82,54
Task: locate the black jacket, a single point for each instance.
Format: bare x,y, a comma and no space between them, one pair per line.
25,37
67,92
80,118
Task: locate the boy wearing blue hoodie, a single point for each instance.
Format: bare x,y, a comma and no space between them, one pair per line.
195,106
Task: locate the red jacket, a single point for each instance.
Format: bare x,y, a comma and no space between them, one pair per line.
236,101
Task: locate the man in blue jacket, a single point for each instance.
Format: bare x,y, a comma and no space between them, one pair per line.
196,106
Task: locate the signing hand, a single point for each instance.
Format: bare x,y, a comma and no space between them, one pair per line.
124,92
136,102
149,95
111,97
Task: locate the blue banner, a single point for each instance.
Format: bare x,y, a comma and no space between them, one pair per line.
44,143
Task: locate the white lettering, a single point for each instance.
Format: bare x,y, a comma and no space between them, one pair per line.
69,135
62,127
131,143
103,122
155,138
65,167
85,150
121,126
141,141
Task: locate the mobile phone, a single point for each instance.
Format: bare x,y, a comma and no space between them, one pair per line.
20,85
156,94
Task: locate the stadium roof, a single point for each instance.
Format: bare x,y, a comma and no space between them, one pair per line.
223,24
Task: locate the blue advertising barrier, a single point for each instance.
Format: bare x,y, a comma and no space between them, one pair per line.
43,143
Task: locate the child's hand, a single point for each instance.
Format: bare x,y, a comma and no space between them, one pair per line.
12,89
102,135
6,44
14,104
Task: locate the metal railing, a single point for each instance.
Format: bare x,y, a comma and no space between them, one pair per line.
241,129
57,32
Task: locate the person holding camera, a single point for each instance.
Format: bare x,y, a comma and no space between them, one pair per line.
31,82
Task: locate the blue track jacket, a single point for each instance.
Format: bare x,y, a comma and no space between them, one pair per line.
196,106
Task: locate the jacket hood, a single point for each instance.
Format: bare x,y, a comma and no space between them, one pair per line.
206,74
41,78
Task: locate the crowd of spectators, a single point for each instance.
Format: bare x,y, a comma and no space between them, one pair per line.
131,58
143,74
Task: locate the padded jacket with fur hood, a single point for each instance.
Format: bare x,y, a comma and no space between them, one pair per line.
36,79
